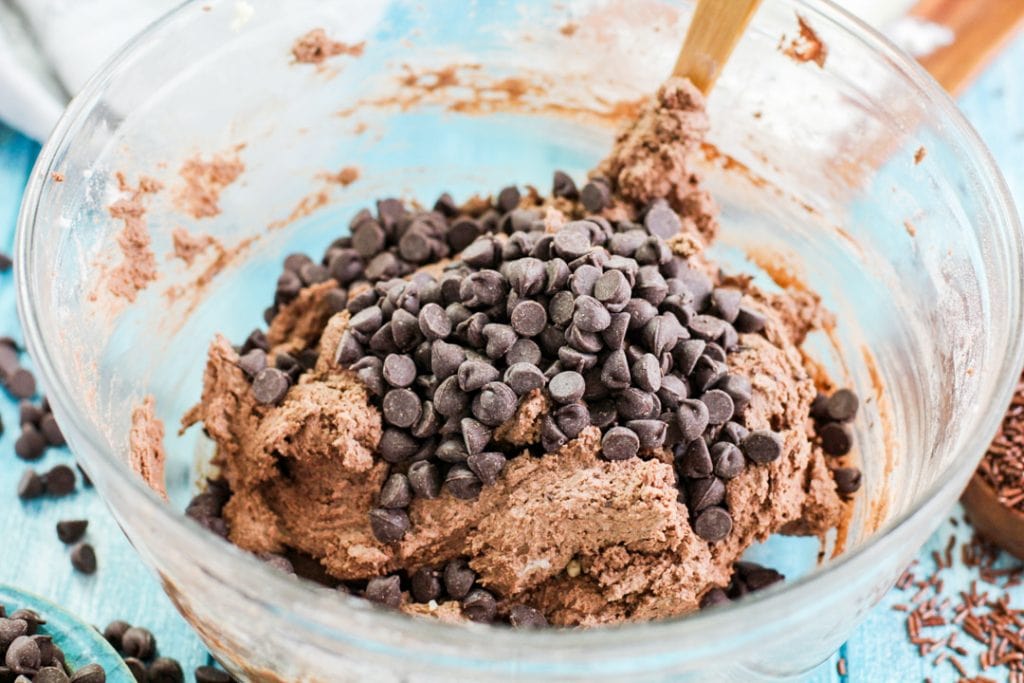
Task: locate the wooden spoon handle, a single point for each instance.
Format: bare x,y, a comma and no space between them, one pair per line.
980,29
715,29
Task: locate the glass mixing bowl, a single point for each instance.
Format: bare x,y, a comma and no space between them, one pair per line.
814,167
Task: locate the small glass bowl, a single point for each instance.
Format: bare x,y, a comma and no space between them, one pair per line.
814,168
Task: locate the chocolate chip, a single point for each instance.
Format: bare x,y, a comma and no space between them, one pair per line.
650,432
424,479
523,377
425,585
527,276
703,493
253,362
449,399
572,240
396,445
500,339
733,432
114,632
836,438
567,387
739,389
595,195
90,673
385,590
399,370
495,404
405,330
524,616
715,596
31,444
615,371
479,606
589,315
612,289
749,320
270,386
30,485
433,322
138,642
486,466
396,492
673,391
662,221
713,524
165,670
529,318
848,479
452,450
583,280
706,327
367,320
458,579
707,374
475,435
474,374
368,239
620,443
462,483
524,351
726,303
695,461
210,674
646,373
59,481
563,186
556,274
842,405
445,359
388,525
762,446
71,530
23,656
508,199
137,669
401,407
720,406
83,558
635,404
727,459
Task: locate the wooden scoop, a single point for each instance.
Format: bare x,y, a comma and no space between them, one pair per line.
715,29
998,523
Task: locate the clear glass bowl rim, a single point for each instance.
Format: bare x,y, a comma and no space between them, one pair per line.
302,602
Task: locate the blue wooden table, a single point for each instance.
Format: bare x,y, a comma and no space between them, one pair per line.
123,588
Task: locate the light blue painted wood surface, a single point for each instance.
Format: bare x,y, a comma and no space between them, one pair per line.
123,588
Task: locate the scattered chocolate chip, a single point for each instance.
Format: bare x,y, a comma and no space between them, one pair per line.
401,407
90,673
650,432
385,590
71,530
703,493
23,656
563,186
567,387
479,606
662,221
749,320
59,481
720,406
209,674
486,466
646,372
848,479
30,485
495,404
114,632
762,446
83,558
399,370
713,524
507,199
165,670
388,526
137,668
31,444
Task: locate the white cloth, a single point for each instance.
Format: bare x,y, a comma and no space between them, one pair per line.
49,48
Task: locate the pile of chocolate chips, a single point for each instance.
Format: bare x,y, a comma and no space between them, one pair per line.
602,317
138,648
27,653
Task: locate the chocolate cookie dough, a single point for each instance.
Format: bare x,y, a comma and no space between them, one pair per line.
530,409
